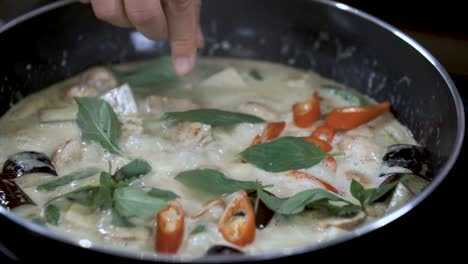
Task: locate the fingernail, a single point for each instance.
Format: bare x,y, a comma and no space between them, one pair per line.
183,65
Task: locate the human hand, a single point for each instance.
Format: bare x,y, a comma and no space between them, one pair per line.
176,20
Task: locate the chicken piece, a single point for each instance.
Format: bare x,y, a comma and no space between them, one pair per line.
360,147
191,134
67,152
100,78
132,125
93,82
79,216
81,90
158,105
359,177
227,77
346,223
258,109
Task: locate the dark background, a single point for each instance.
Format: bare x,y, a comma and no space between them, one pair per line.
436,229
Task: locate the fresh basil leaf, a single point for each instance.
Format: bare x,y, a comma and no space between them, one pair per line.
163,194
103,198
66,179
215,182
344,210
83,196
131,202
106,180
119,220
198,229
282,154
360,193
157,73
52,214
254,73
213,117
133,169
349,95
98,122
271,201
298,202
385,188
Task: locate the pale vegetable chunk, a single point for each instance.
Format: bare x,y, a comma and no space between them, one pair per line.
227,77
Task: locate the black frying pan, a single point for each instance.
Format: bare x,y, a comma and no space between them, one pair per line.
333,39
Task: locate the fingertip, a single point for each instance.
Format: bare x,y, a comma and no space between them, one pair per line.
183,65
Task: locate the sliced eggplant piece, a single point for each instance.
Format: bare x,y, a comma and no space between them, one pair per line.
405,158
414,184
11,195
63,114
27,162
263,214
223,250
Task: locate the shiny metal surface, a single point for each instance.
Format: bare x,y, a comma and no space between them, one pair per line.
443,171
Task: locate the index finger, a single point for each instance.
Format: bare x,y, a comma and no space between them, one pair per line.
182,18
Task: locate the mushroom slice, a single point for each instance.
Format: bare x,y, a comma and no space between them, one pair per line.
158,105
67,152
258,109
346,223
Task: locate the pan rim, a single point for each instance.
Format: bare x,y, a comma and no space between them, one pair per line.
300,250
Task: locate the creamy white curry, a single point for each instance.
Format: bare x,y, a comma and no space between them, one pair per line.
254,156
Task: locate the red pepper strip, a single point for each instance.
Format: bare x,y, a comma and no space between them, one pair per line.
237,225
323,145
203,211
170,228
324,133
350,117
330,163
307,113
302,175
271,131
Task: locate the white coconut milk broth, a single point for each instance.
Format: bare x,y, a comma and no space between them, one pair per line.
281,87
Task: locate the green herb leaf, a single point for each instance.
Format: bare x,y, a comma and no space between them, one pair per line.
361,194
198,229
103,198
52,214
349,95
297,203
385,188
163,194
83,196
66,179
254,73
213,117
131,202
344,210
106,180
154,74
119,220
215,182
99,123
132,170
369,196
282,154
